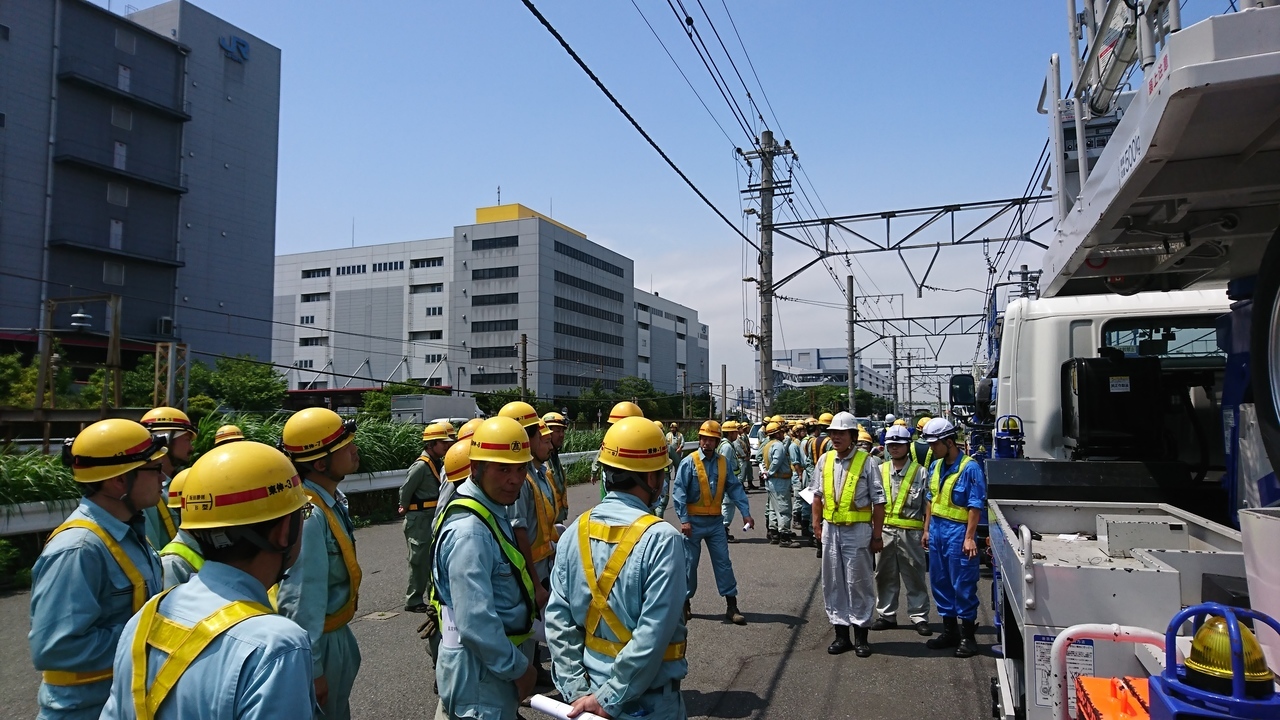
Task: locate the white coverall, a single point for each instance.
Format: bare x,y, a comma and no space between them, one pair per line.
848,583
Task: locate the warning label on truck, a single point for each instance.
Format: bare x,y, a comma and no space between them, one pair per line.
1119,383
1079,662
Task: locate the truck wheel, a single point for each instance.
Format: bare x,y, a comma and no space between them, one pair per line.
1265,350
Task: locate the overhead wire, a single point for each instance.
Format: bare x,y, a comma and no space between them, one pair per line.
704,54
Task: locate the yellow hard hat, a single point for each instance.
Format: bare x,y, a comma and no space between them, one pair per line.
825,418
175,489
658,424
163,419
624,409
729,426
922,422
109,448
434,432
468,428
675,425
457,461
554,420
710,428
315,432
634,444
811,420
521,412
501,440
543,430
240,484
226,434
449,429
863,435
899,423
772,428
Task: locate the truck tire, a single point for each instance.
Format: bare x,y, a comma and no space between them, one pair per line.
1265,348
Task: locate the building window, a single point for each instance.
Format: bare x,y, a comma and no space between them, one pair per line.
577,282
495,243
118,194
320,341
433,311
426,335
642,326
591,260
588,358
495,299
307,320
679,319
315,273
642,307
120,157
496,273
494,326
352,270
434,382
112,273
122,117
315,297
126,41
124,78
493,379
642,358
115,238
679,336
496,351
426,262
589,310
585,334
388,266
4,32
426,288
433,357
305,364
583,381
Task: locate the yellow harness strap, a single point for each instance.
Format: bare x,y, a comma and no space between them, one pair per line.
140,593
166,519
707,504
348,610
624,539
193,558
546,532
182,645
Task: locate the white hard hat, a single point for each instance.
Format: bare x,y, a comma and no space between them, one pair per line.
938,429
889,418
843,421
897,434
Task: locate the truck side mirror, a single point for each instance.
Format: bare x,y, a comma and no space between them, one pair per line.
963,397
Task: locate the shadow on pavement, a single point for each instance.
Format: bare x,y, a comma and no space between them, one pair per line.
722,704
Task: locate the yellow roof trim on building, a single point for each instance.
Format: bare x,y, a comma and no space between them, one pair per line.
516,211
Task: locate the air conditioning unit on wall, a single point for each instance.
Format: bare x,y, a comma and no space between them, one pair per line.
164,326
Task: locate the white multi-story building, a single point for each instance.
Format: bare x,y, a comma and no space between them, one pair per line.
798,368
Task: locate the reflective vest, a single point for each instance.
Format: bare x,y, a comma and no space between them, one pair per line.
348,550
181,643
893,518
462,503
140,595
545,509
557,483
624,539
839,509
166,518
768,462
820,445
926,461
941,489
430,504
707,503
193,558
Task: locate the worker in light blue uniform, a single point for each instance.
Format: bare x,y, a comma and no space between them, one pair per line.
675,450
614,622
796,450
246,514
322,590
484,594
730,448
702,482
956,498
97,568
177,431
182,557
777,480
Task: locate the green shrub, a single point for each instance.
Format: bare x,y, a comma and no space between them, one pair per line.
34,476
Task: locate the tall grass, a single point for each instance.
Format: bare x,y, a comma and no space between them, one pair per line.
33,476
582,440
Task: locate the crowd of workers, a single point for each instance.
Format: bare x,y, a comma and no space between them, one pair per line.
244,612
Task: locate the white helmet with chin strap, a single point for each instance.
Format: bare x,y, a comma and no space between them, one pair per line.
938,429
889,418
843,421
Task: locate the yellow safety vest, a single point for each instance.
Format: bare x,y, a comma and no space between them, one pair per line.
768,464
140,595
708,504
561,498
348,550
893,518
545,533
941,505
418,505
820,445
166,519
465,504
181,643
839,509
915,455
624,539
193,558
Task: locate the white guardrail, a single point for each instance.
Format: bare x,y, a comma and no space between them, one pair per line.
36,517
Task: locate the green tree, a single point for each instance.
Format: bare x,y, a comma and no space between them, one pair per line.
137,385
18,382
247,385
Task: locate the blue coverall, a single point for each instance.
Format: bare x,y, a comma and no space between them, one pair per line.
777,480
647,598
736,466
258,668
80,602
710,528
954,577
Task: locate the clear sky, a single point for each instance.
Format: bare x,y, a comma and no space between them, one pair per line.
407,115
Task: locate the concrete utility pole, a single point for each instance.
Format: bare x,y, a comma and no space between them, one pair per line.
909,394
684,396
767,152
853,324
894,370
724,392
524,362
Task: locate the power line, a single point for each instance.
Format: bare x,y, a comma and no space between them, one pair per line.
752,66
704,53
732,63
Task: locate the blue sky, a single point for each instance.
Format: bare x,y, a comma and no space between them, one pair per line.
408,115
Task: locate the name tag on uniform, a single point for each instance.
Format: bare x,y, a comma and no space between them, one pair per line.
449,637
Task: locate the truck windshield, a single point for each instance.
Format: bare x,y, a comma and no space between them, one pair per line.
1177,336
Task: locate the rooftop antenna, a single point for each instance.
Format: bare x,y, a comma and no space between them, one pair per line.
353,231
499,194
552,210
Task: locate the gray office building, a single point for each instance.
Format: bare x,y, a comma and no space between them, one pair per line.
139,159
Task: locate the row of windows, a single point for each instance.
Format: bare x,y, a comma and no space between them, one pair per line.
433,357
307,320
426,335
493,379
388,266
495,243
496,273
495,299
494,326
353,269
590,287
321,341
583,381
305,364
434,311
591,310
345,269
586,357
586,334
591,260
315,273
315,297
426,262
426,288
496,351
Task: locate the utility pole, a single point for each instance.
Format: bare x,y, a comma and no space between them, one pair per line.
524,362
894,370
724,392
767,152
909,394
1027,279
684,396
853,324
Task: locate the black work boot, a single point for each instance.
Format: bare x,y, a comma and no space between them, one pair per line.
787,540
773,537
841,644
861,646
728,536
688,611
968,646
884,623
731,613
949,638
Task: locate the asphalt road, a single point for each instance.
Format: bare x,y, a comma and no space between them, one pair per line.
775,667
